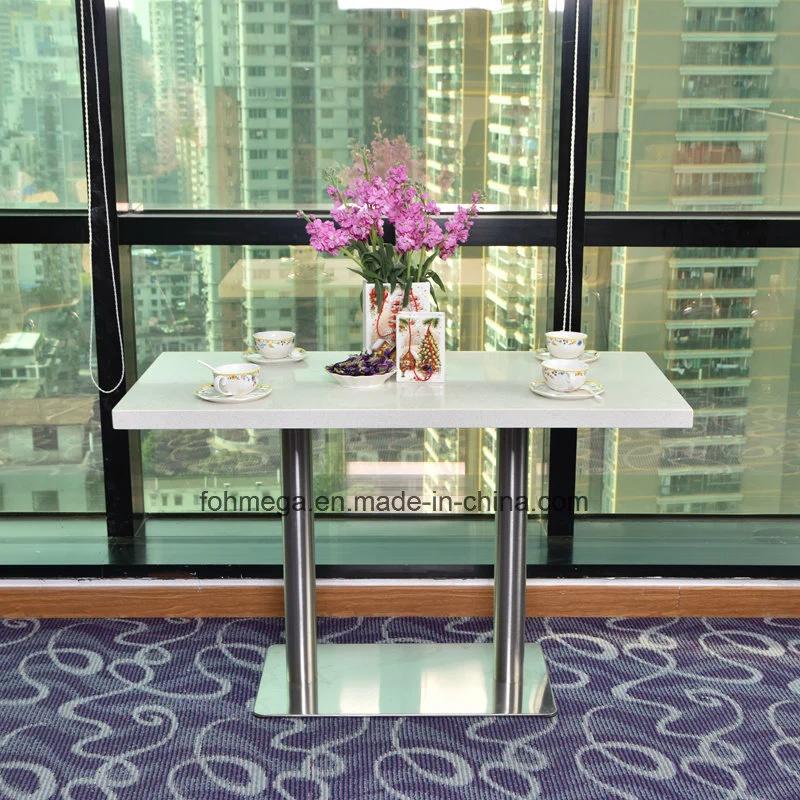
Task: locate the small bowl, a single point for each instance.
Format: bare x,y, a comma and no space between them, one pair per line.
564,374
565,344
362,381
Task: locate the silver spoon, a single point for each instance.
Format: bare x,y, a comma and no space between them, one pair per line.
213,369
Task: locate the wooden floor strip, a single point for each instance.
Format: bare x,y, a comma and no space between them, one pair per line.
544,599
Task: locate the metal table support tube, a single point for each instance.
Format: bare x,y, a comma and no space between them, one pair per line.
299,571
510,568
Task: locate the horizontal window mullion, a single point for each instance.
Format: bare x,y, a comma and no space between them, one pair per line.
224,229
621,229
634,230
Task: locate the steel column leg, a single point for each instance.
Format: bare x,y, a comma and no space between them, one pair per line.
510,568
299,571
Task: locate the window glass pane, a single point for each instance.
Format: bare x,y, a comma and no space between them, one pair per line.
215,298
50,452
721,324
235,105
695,106
41,128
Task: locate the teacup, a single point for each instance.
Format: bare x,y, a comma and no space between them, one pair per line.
565,344
564,374
236,379
274,344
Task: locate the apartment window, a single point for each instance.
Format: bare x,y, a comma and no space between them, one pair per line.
256,28
256,72
259,174
259,155
280,29
280,50
257,133
281,113
257,113
326,95
254,8
353,94
260,196
281,72
45,437
255,50
45,500
282,155
327,133
283,174
326,113
281,133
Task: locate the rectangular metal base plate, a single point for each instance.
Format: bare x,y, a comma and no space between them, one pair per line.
404,679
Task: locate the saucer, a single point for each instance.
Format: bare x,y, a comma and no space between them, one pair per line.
587,357
298,354
543,390
208,392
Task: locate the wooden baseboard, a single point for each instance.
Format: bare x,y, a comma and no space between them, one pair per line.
65,599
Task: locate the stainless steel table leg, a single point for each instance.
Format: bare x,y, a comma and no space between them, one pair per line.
299,571
510,569
509,677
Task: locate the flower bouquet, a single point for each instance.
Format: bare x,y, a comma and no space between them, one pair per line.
399,275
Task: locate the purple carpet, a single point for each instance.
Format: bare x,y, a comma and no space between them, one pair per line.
146,709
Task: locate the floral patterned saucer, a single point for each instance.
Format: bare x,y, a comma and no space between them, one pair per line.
208,392
543,390
298,354
588,355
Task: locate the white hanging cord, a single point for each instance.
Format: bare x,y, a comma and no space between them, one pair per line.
567,319
84,77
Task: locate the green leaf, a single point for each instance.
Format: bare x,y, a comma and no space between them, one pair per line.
432,276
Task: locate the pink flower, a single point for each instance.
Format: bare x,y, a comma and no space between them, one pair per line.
325,237
433,235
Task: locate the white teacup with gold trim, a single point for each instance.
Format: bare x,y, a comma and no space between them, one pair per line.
236,379
274,344
566,344
564,374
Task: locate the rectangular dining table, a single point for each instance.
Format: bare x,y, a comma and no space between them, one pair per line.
482,390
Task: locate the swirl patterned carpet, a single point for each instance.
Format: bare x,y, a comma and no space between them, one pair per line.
150,709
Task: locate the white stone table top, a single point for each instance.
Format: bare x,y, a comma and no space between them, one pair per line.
481,390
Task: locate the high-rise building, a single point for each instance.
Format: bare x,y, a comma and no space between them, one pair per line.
711,133
41,136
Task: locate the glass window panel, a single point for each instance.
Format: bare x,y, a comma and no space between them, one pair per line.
721,324
211,89
41,124
694,106
215,298
50,452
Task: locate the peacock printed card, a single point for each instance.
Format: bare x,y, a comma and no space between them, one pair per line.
420,346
